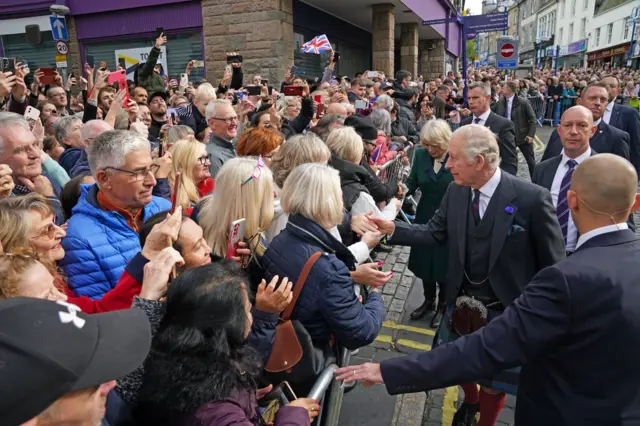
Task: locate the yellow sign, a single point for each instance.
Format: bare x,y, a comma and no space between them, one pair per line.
61,58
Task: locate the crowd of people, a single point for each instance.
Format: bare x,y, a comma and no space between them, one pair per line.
171,228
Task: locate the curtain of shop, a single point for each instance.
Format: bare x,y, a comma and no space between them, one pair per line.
40,56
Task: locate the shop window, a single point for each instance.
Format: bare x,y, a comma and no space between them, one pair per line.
40,56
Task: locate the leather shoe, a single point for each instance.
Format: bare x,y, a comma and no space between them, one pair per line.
437,317
466,415
422,310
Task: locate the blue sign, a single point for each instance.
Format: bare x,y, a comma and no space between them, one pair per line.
508,63
59,28
486,23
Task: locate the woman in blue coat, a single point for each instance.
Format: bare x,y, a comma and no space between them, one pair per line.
430,175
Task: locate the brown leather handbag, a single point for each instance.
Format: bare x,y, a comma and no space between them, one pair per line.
287,351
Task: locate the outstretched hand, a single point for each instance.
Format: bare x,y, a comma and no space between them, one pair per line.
368,373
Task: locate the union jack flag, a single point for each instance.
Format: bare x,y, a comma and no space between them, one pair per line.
317,45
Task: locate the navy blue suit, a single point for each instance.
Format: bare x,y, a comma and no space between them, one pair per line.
576,332
627,119
606,140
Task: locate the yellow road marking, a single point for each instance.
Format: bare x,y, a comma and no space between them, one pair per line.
449,405
394,326
538,145
384,339
413,345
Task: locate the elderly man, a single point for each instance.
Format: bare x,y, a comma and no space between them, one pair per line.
194,114
67,132
337,108
562,328
384,102
223,121
91,130
103,232
58,97
501,231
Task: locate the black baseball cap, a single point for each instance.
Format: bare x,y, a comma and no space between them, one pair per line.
160,93
48,349
386,86
363,126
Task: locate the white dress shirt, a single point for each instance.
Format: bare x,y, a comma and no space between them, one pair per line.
483,118
486,192
509,106
572,231
607,113
599,231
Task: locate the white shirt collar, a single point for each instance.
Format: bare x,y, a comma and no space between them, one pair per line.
511,98
484,116
599,231
597,123
578,159
490,187
610,105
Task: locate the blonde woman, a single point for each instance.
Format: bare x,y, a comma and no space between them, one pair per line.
244,190
191,158
346,144
328,305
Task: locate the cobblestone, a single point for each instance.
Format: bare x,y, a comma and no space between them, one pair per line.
390,288
398,267
397,305
387,298
403,258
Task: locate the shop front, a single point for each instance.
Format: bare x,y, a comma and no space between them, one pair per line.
572,55
527,58
635,55
614,57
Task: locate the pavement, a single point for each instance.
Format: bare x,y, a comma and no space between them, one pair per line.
400,336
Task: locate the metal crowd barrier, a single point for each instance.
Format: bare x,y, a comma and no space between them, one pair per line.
392,170
330,392
539,107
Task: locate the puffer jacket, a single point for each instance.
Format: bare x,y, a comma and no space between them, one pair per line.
69,158
99,244
147,77
327,304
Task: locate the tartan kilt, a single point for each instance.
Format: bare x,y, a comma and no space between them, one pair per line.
506,381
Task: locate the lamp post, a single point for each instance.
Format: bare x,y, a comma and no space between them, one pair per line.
632,20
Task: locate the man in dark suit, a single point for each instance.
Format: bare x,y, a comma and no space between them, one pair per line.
605,139
500,230
554,174
519,111
479,96
564,327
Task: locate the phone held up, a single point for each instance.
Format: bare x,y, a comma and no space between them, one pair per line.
32,115
293,90
236,234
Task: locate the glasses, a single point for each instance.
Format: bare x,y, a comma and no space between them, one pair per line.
228,120
204,159
138,174
49,232
256,171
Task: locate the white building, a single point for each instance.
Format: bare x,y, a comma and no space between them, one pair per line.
573,20
546,31
608,32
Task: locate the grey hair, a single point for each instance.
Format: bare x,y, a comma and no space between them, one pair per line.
61,128
382,120
210,111
181,131
10,119
93,128
110,148
385,101
323,128
486,89
480,141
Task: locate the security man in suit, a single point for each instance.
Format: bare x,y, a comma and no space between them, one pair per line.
479,96
520,111
605,139
575,329
501,231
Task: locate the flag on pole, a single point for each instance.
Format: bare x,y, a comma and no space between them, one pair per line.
317,45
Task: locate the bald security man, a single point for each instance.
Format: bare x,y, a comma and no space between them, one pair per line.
575,329
604,138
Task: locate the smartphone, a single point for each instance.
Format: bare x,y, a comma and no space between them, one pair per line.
176,191
320,110
373,74
184,80
117,76
159,31
91,61
336,56
122,63
10,65
228,69
317,99
361,104
172,113
236,234
254,90
31,114
198,64
280,396
293,90
264,82
240,95
234,59
49,76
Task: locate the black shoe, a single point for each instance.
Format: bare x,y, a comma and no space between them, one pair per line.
437,317
466,415
422,310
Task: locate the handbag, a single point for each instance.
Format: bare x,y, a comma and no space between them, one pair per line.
293,357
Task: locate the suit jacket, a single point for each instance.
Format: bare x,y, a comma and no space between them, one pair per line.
522,115
627,119
563,330
606,140
505,133
526,235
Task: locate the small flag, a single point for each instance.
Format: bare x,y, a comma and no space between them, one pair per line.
375,154
317,45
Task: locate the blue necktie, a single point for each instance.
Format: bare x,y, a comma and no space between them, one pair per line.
562,210
477,120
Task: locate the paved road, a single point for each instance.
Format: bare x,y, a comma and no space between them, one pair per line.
400,335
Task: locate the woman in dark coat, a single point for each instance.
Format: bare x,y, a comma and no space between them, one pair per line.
430,175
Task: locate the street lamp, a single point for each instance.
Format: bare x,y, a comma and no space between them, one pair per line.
632,20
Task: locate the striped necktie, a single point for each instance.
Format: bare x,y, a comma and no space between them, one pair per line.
562,209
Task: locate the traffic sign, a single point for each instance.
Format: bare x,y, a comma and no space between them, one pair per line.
58,27
62,47
61,61
507,50
507,53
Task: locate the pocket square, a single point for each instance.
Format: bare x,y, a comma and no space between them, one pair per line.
516,229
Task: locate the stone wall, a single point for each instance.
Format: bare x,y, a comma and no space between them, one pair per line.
260,30
432,62
383,38
409,48
73,58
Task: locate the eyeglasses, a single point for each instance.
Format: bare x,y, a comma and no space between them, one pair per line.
228,120
256,171
49,232
204,159
138,174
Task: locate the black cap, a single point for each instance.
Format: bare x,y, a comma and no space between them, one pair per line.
48,349
363,126
386,86
160,93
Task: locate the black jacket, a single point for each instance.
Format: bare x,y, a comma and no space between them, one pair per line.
522,115
403,127
300,123
405,111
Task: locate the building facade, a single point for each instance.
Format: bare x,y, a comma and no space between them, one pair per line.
609,34
527,32
573,19
546,32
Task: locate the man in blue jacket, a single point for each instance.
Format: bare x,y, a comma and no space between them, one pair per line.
103,232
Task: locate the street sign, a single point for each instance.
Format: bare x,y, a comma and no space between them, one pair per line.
58,27
61,61
507,53
62,47
440,21
486,23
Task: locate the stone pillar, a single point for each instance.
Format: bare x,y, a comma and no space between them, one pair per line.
383,36
432,58
73,58
262,32
409,48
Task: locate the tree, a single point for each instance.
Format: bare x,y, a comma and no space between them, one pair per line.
471,50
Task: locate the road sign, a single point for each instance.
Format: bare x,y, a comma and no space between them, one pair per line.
486,23
507,53
58,27
507,50
62,47
439,21
61,61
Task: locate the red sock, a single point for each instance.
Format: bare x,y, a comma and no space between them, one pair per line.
471,394
490,407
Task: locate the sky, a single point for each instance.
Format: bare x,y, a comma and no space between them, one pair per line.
475,6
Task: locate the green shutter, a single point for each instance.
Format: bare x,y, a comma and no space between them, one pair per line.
40,56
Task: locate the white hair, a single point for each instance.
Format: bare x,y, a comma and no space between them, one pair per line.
10,119
94,128
110,149
480,141
206,89
210,111
61,127
382,120
385,102
436,132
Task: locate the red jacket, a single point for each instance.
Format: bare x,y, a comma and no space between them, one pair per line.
206,186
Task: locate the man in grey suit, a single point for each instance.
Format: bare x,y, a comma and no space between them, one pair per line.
519,110
479,104
501,231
